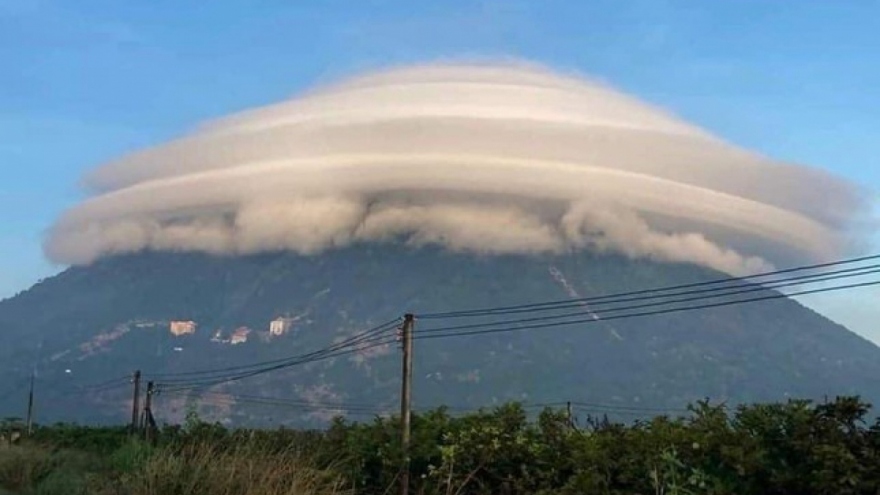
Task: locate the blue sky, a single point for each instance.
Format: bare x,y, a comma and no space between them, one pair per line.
85,81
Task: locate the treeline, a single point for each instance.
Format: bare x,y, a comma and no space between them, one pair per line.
786,448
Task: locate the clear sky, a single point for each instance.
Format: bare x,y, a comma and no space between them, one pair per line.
84,81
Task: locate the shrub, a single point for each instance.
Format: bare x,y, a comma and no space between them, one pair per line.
793,447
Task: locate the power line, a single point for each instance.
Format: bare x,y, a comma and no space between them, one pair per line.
439,331
198,383
660,297
750,279
497,327
749,287
231,399
358,338
627,412
625,408
600,313
348,407
363,340
107,385
306,359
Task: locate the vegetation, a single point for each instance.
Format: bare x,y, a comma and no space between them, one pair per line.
786,448
188,465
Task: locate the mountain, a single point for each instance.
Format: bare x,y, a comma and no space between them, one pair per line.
89,327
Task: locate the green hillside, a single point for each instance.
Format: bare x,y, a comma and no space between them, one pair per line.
91,325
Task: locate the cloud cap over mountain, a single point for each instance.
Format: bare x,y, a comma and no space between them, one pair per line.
485,158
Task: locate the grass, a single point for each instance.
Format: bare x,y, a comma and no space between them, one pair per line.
203,469
31,469
23,467
137,469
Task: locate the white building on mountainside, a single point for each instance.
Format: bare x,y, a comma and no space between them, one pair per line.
179,328
240,336
280,326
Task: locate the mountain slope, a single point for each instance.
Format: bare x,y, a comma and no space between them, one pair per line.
94,324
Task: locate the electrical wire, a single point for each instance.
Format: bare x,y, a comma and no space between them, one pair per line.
358,408
749,287
372,337
106,385
659,297
438,333
499,327
299,405
599,314
625,408
213,381
95,388
231,399
306,359
358,338
593,300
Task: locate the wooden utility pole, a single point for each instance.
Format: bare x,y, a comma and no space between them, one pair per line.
149,423
569,415
406,400
30,409
135,402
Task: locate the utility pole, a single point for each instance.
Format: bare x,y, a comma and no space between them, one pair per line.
135,401
149,423
406,400
30,410
569,415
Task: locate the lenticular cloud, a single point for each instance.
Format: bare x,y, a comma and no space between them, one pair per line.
490,159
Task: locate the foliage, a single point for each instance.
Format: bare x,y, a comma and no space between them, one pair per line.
783,448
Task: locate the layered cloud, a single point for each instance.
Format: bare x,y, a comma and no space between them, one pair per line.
490,159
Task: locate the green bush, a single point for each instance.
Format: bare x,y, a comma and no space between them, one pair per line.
130,457
793,447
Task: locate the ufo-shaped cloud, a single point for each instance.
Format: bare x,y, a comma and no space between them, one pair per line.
491,159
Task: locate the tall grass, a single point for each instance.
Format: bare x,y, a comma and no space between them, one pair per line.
29,469
199,468
204,469
22,467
